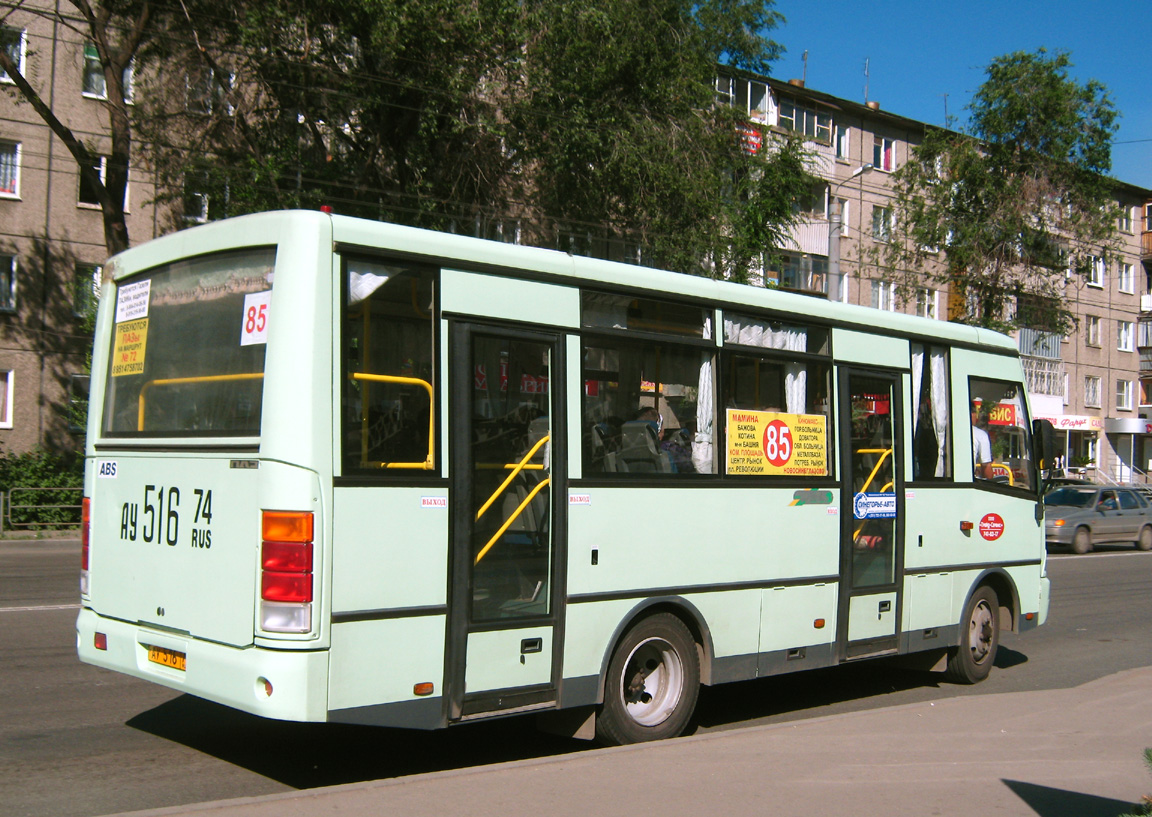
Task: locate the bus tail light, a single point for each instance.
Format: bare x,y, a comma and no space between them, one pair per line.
85,533
286,571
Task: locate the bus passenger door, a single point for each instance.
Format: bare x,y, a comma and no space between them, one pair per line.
872,507
506,583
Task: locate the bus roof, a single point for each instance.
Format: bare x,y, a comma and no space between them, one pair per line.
491,256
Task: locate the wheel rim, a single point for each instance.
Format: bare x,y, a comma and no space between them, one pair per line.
653,682
980,631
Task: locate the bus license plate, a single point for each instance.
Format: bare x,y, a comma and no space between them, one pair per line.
166,658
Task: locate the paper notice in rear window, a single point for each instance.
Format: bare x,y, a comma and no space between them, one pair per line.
132,301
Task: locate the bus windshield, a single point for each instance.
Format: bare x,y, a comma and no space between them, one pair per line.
187,354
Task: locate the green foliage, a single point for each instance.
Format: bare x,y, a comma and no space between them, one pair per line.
579,122
39,469
1144,807
1015,202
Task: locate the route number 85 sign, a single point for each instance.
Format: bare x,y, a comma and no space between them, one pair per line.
254,324
772,442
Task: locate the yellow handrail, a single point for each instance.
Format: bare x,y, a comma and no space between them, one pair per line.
427,465
180,381
516,469
508,523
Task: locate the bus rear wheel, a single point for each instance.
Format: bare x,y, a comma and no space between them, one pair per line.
652,685
971,662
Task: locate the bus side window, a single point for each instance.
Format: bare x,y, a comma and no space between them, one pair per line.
931,418
389,369
1001,440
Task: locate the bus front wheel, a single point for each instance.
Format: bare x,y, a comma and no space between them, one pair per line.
652,684
971,662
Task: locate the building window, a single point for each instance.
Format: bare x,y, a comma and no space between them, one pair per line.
1124,395
926,303
6,399
802,119
93,83
1125,336
1091,330
89,194
12,40
79,386
881,223
842,142
802,271
9,170
1127,282
1092,391
7,283
884,295
205,94
85,289
1126,219
884,153
1095,271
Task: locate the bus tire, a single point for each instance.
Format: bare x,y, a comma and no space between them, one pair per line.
971,662
652,684
1082,541
1144,541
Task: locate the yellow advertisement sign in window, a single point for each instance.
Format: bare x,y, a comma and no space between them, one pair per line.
772,442
131,343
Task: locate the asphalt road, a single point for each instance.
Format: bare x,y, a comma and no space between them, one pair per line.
75,740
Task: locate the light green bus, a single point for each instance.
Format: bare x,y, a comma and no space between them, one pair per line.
340,470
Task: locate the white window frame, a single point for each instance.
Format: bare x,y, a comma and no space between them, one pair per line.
13,271
927,302
881,223
884,295
17,151
88,205
1123,395
92,64
1096,272
92,274
21,52
1092,391
6,405
213,97
843,140
1126,219
1126,277
1125,336
805,119
883,153
1091,330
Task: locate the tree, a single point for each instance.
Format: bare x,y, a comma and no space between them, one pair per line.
1000,212
615,117
116,30
570,120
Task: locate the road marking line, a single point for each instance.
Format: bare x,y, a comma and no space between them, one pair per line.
38,609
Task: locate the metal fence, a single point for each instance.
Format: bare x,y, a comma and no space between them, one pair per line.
40,508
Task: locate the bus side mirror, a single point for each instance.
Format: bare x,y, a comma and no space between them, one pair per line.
1044,446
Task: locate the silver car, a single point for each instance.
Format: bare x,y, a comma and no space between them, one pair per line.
1084,516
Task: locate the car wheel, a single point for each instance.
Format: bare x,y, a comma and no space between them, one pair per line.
1145,540
1082,541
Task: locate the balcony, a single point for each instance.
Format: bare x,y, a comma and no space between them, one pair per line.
1043,376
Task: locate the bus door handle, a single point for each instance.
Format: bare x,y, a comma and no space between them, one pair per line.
531,645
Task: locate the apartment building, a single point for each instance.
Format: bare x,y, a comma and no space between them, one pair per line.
1092,384
51,230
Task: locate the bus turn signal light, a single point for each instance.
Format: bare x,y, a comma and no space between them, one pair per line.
287,526
966,526
426,688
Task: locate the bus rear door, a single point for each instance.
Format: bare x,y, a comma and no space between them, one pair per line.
506,584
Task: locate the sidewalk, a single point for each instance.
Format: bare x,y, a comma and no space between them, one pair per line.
1055,753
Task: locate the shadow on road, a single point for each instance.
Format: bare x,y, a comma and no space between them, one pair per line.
1048,802
305,756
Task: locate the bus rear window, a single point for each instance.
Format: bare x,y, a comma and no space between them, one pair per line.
187,347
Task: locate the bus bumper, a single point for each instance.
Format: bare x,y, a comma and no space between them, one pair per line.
283,684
